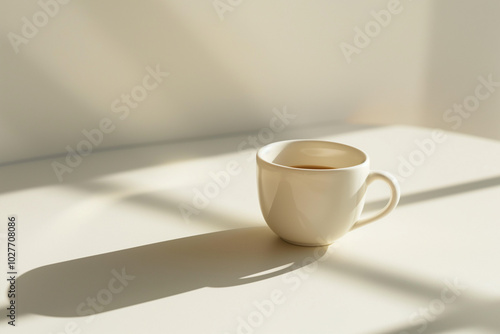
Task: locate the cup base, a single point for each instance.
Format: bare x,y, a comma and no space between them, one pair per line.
305,244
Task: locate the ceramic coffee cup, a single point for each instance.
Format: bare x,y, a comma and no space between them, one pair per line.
312,192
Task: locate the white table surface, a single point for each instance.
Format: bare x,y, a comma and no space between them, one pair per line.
223,271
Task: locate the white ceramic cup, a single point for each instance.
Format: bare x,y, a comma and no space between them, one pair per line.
314,207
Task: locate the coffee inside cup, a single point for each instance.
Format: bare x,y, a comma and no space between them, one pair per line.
312,167
312,155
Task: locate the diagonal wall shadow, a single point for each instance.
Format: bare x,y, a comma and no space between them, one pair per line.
163,202
472,315
438,193
146,273
340,265
468,310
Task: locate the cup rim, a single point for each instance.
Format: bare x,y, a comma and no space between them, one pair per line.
261,159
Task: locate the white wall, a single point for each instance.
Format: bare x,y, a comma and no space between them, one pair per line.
228,75
464,44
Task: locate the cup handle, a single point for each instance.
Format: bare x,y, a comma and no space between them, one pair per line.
393,201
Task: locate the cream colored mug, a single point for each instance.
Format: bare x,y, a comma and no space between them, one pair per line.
312,192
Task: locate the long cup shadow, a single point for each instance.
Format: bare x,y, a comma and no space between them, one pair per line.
137,275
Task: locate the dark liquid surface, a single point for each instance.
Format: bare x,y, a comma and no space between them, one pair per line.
312,167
